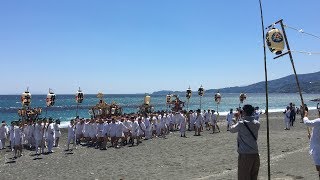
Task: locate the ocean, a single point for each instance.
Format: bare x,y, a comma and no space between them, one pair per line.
65,105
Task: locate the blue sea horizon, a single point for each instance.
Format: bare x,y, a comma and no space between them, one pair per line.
65,106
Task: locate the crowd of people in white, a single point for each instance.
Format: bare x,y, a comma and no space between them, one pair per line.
42,135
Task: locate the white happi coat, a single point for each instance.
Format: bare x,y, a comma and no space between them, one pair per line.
92,130
287,116
120,129
79,128
106,129
71,132
113,129
100,129
37,132
17,135
11,132
315,139
3,132
207,117
213,119
135,129
199,120
86,130
142,128
182,123
57,132
50,132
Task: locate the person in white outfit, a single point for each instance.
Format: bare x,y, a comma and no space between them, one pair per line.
147,123
50,136
121,129
286,114
31,141
93,131
142,129
214,121
134,131
85,130
100,135
37,134
113,132
207,117
182,124
71,134
18,128
198,123
314,139
57,133
11,135
3,134
79,131
229,119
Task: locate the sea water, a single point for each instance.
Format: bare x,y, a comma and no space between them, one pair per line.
65,107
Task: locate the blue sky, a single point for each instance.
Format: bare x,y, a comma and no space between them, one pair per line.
147,45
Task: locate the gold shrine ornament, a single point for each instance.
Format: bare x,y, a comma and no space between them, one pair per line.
79,96
51,97
147,99
275,41
188,93
26,98
217,98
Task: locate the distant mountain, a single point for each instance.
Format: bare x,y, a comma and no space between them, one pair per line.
309,83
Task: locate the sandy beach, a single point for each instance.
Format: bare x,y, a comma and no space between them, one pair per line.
210,156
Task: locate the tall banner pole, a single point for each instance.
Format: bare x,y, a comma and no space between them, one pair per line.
266,89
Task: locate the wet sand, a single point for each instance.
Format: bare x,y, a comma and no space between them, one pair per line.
210,156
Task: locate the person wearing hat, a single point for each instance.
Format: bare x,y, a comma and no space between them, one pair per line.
314,139
248,160
50,137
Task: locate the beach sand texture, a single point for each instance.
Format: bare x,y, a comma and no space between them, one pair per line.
210,156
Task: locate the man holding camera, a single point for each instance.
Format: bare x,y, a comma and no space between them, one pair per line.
248,160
